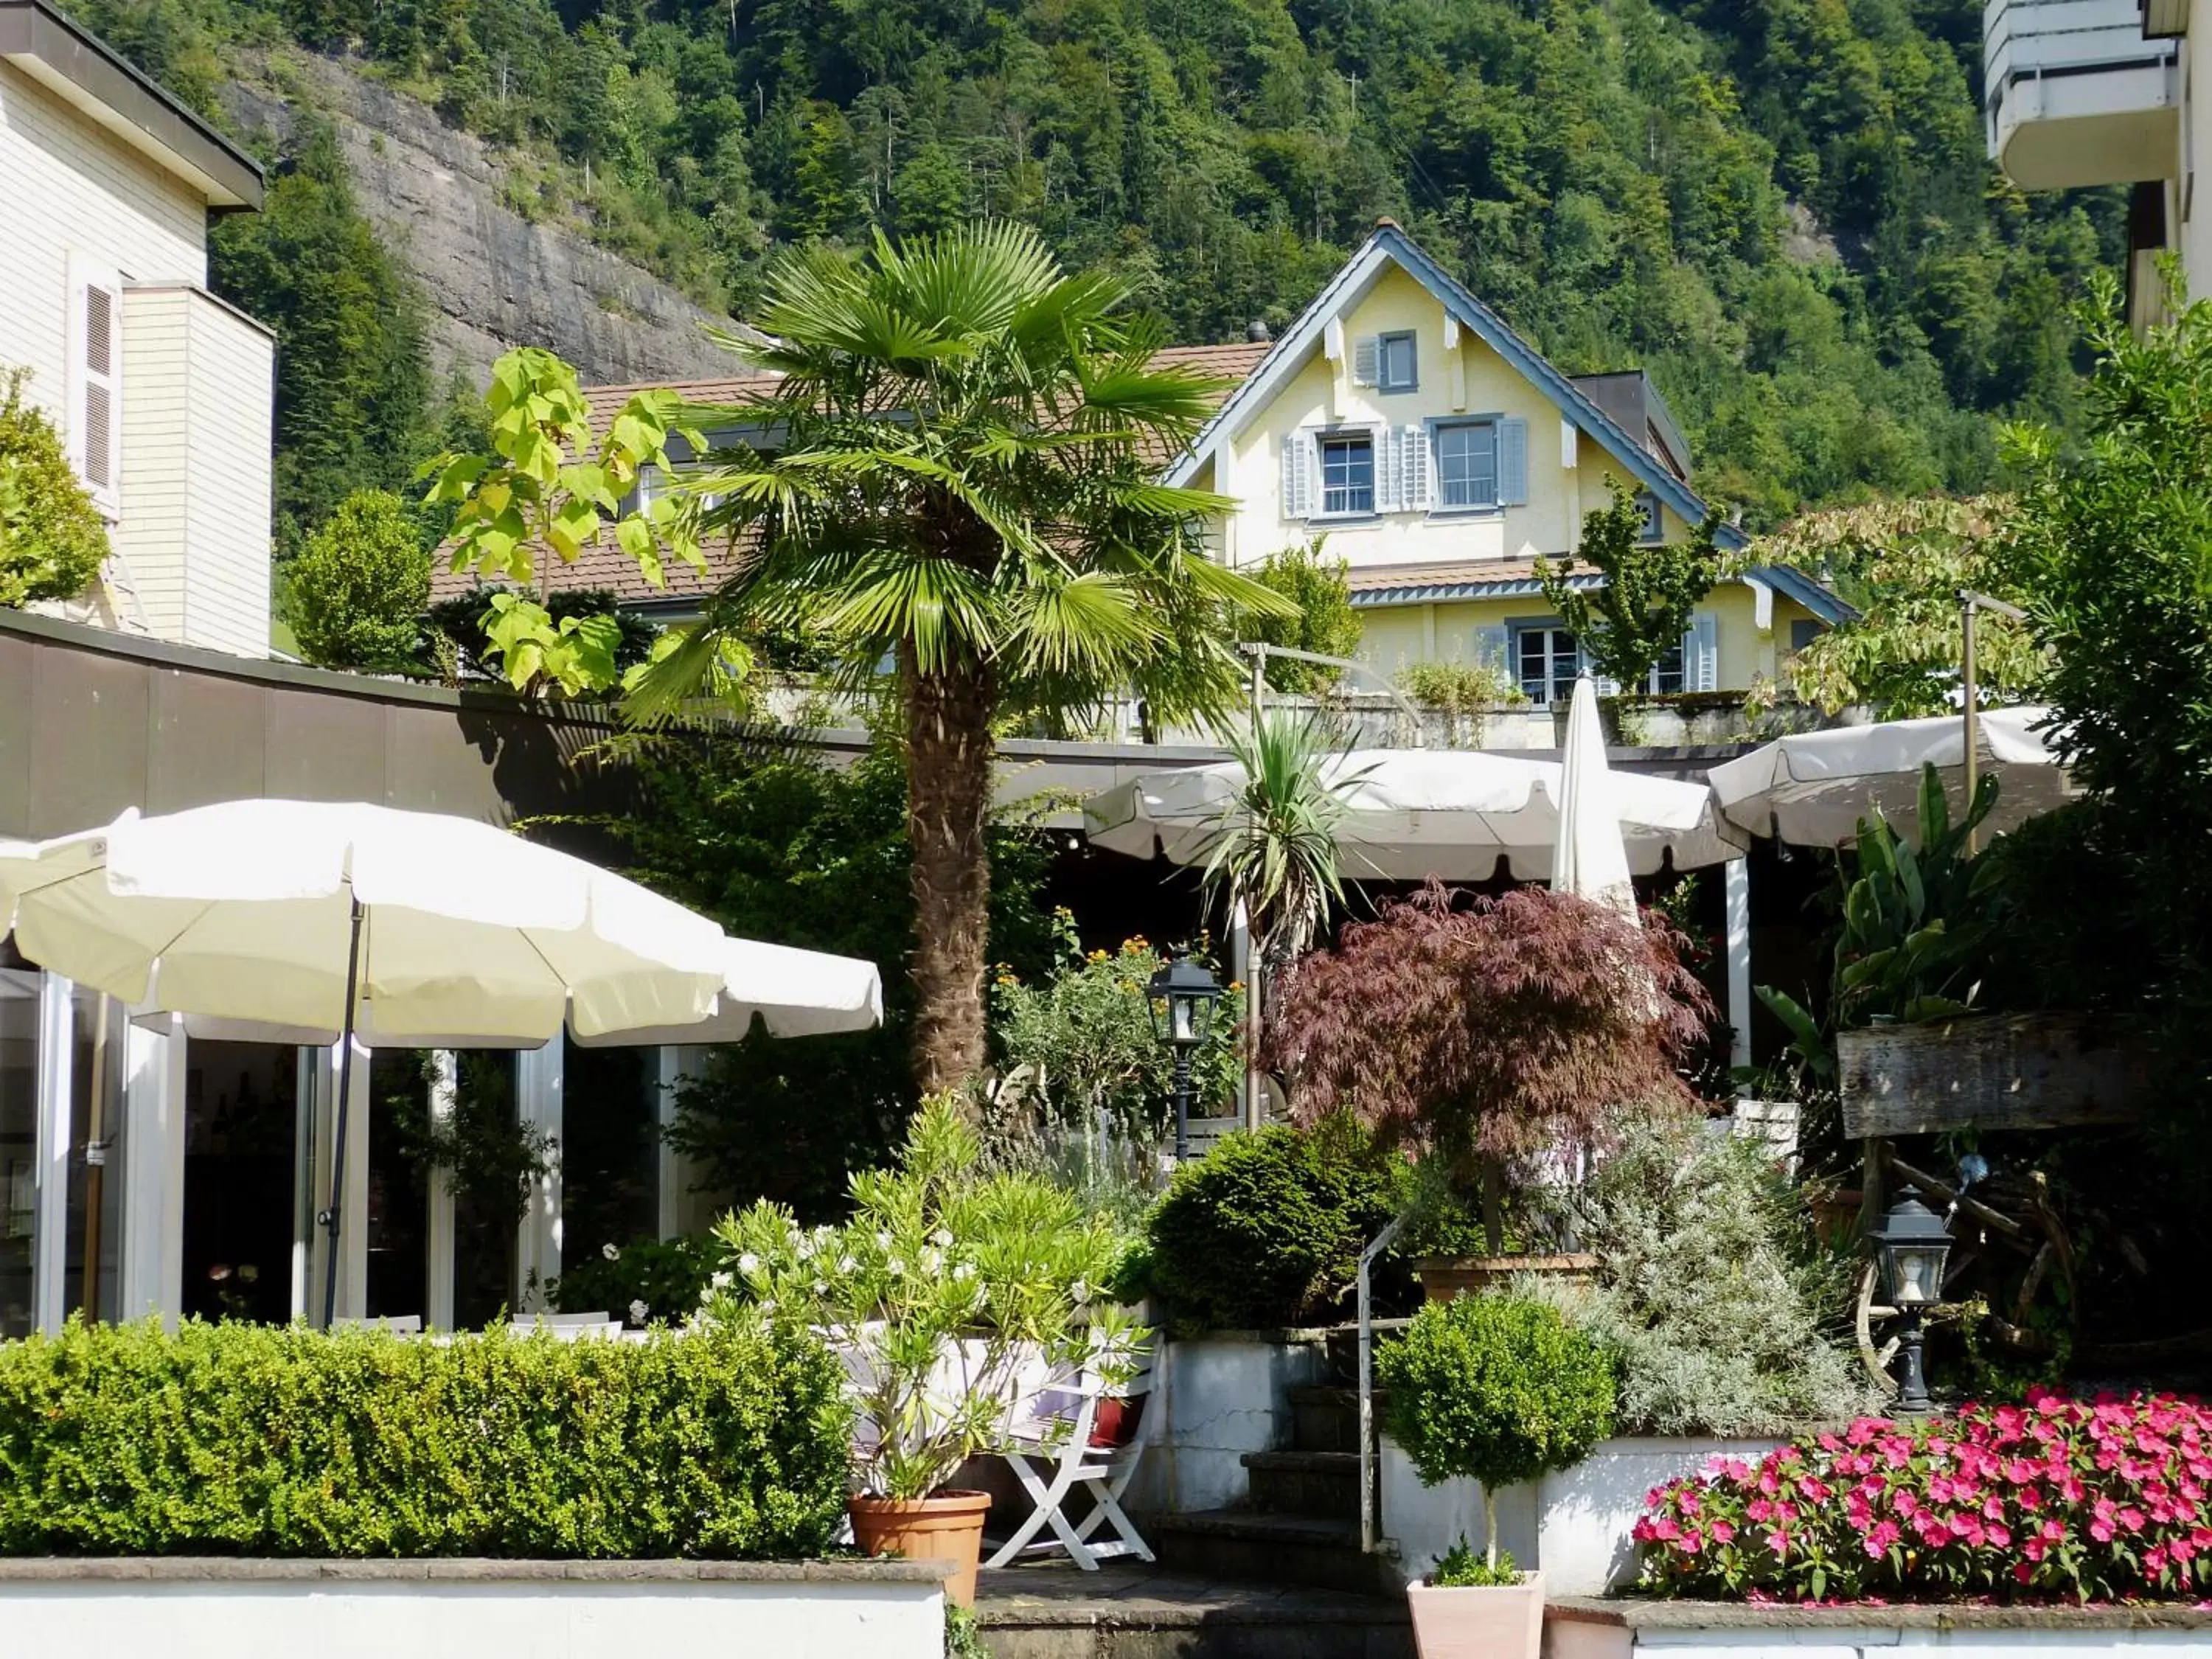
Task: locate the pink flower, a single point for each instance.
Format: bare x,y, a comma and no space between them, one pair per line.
1879,1540
1722,1531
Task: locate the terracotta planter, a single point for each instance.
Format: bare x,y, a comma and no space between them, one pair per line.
1115,1423
946,1526
1445,1277
1501,1621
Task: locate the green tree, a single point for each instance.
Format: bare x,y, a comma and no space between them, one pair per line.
1650,588
360,584
1324,621
52,536
2112,544
1902,565
353,376
960,487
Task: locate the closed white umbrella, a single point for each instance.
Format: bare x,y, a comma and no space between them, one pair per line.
1813,787
1416,812
1589,858
301,914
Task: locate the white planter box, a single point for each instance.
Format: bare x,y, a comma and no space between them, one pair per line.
1225,1395
186,1608
1715,1630
1574,1527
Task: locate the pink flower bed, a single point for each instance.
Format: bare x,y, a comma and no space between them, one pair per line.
2058,1499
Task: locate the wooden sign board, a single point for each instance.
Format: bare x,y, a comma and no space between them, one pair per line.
2040,1071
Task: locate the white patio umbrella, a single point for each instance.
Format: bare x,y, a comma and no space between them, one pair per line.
303,913
1588,859
1417,812
1813,787
795,992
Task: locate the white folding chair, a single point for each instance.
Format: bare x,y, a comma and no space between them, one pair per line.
569,1328
1051,1471
396,1324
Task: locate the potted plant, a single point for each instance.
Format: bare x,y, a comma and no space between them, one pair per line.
1499,1390
954,1295
1495,1035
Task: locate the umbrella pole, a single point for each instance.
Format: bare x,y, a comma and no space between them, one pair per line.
330,1216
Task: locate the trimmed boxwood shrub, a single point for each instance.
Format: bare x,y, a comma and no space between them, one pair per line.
236,1440
1266,1229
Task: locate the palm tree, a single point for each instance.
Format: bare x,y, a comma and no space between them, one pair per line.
1273,846
955,474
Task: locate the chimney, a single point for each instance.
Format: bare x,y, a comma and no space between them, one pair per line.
1256,331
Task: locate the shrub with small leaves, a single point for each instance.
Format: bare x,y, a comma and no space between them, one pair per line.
1266,1229
1460,1568
1495,1388
236,1440
51,538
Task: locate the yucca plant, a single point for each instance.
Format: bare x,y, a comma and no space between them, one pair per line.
1913,926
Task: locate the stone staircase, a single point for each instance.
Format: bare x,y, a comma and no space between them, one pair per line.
1300,1522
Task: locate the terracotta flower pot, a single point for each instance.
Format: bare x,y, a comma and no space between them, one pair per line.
945,1526
1502,1621
1443,1277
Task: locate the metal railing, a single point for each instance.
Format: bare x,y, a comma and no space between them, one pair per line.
1379,1243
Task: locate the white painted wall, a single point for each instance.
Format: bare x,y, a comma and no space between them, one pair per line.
1841,1638
547,1618
1574,1525
1224,1396
199,394
73,187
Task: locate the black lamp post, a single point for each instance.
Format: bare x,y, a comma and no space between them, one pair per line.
1912,1247
1182,996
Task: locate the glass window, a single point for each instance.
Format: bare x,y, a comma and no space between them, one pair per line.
1654,527
485,1215
1666,672
1547,661
1399,368
241,1112
610,1150
1347,473
19,1147
94,1185
397,1225
1467,464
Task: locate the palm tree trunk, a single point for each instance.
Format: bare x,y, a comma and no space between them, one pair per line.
948,792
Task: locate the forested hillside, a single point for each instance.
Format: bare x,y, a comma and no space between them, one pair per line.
1781,209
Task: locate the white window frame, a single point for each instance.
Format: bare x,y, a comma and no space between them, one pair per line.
89,385
1442,488
1355,434
1557,684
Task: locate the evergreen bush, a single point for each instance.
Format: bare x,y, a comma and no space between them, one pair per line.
1495,1388
358,585
236,1440
1713,1293
1267,1229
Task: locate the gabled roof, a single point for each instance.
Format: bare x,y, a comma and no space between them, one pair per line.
1391,246
603,565
84,71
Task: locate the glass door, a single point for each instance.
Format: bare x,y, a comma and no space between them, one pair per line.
19,1147
240,1120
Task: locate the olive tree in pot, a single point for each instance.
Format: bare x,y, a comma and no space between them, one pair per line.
1500,1390
953,1295
1494,1035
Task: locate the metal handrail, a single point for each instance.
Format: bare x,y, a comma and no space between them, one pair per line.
1260,653
1381,1242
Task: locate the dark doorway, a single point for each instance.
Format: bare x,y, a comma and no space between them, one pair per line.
240,1119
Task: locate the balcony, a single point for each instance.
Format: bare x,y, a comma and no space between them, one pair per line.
2074,95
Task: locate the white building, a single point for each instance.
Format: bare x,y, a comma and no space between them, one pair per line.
2102,92
163,393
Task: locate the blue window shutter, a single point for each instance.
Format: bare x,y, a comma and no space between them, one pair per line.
1513,463
1701,654
1493,646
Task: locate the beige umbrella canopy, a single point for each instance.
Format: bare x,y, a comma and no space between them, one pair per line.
1589,858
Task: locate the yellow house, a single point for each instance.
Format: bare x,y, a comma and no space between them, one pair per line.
1439,456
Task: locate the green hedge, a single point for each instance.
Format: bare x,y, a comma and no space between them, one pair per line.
246,1440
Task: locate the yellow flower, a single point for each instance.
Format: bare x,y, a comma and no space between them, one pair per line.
1096,956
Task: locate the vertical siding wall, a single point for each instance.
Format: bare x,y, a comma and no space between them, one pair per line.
197,402
73,186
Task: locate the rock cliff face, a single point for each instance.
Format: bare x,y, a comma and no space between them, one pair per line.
494,279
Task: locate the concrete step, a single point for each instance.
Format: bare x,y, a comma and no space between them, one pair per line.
1321,1483
1325,1417
1052,1611
1318,1552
